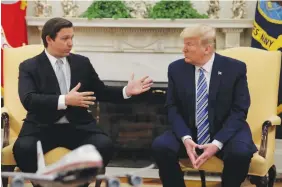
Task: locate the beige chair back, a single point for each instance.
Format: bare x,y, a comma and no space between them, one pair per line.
12,58
263,73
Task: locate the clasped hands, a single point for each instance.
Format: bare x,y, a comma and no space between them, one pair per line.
208,150
85,99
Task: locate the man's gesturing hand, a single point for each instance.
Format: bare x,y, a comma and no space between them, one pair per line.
190,146
209,151
82,99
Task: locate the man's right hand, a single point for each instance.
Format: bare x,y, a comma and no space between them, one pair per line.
190,146
82,99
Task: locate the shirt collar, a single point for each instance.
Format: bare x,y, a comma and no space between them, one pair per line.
207,66
53,59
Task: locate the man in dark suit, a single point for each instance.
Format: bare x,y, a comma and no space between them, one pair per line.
56,88
207,102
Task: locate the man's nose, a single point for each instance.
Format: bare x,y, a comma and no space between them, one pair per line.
70,42
184,49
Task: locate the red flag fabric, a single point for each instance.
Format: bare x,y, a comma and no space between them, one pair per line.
13,22
14,30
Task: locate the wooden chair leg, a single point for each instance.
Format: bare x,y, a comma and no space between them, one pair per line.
271,176
5,168
99,182
203,178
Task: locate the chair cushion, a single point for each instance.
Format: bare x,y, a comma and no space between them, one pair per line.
50,157
259,165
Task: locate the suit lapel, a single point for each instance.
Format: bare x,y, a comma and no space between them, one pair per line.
73,78
47,72
190,91
216,75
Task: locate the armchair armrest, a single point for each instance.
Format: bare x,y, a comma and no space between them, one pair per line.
5,126
273,120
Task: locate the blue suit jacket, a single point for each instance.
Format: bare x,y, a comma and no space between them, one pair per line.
228,104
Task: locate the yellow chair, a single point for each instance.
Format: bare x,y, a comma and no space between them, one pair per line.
13,112
263,70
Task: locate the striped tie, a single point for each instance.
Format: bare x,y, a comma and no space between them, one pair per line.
202,121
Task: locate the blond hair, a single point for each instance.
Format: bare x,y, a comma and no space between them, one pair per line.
205,33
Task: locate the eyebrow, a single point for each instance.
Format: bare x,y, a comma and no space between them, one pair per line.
67,36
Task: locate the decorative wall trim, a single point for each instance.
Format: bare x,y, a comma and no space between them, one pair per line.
148,23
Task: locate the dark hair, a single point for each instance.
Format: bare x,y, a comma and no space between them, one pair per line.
52,27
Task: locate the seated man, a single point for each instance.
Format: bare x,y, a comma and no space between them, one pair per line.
207,102
56,88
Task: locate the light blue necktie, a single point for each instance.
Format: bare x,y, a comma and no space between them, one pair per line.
61,76
62,84
202,122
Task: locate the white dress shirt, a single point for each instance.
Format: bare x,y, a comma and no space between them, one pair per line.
207,72
67,74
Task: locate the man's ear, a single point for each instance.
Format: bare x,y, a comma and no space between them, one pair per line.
208,49
48,39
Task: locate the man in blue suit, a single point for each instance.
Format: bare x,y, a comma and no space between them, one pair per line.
207,102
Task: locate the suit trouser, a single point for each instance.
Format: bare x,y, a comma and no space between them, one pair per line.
60,135
236,156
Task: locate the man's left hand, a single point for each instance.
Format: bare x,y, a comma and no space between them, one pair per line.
209,151
135,87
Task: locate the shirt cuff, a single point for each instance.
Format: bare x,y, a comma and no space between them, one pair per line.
124,93
186,137
218,144
62,102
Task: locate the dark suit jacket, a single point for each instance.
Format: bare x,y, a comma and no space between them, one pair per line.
228,101
39,92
